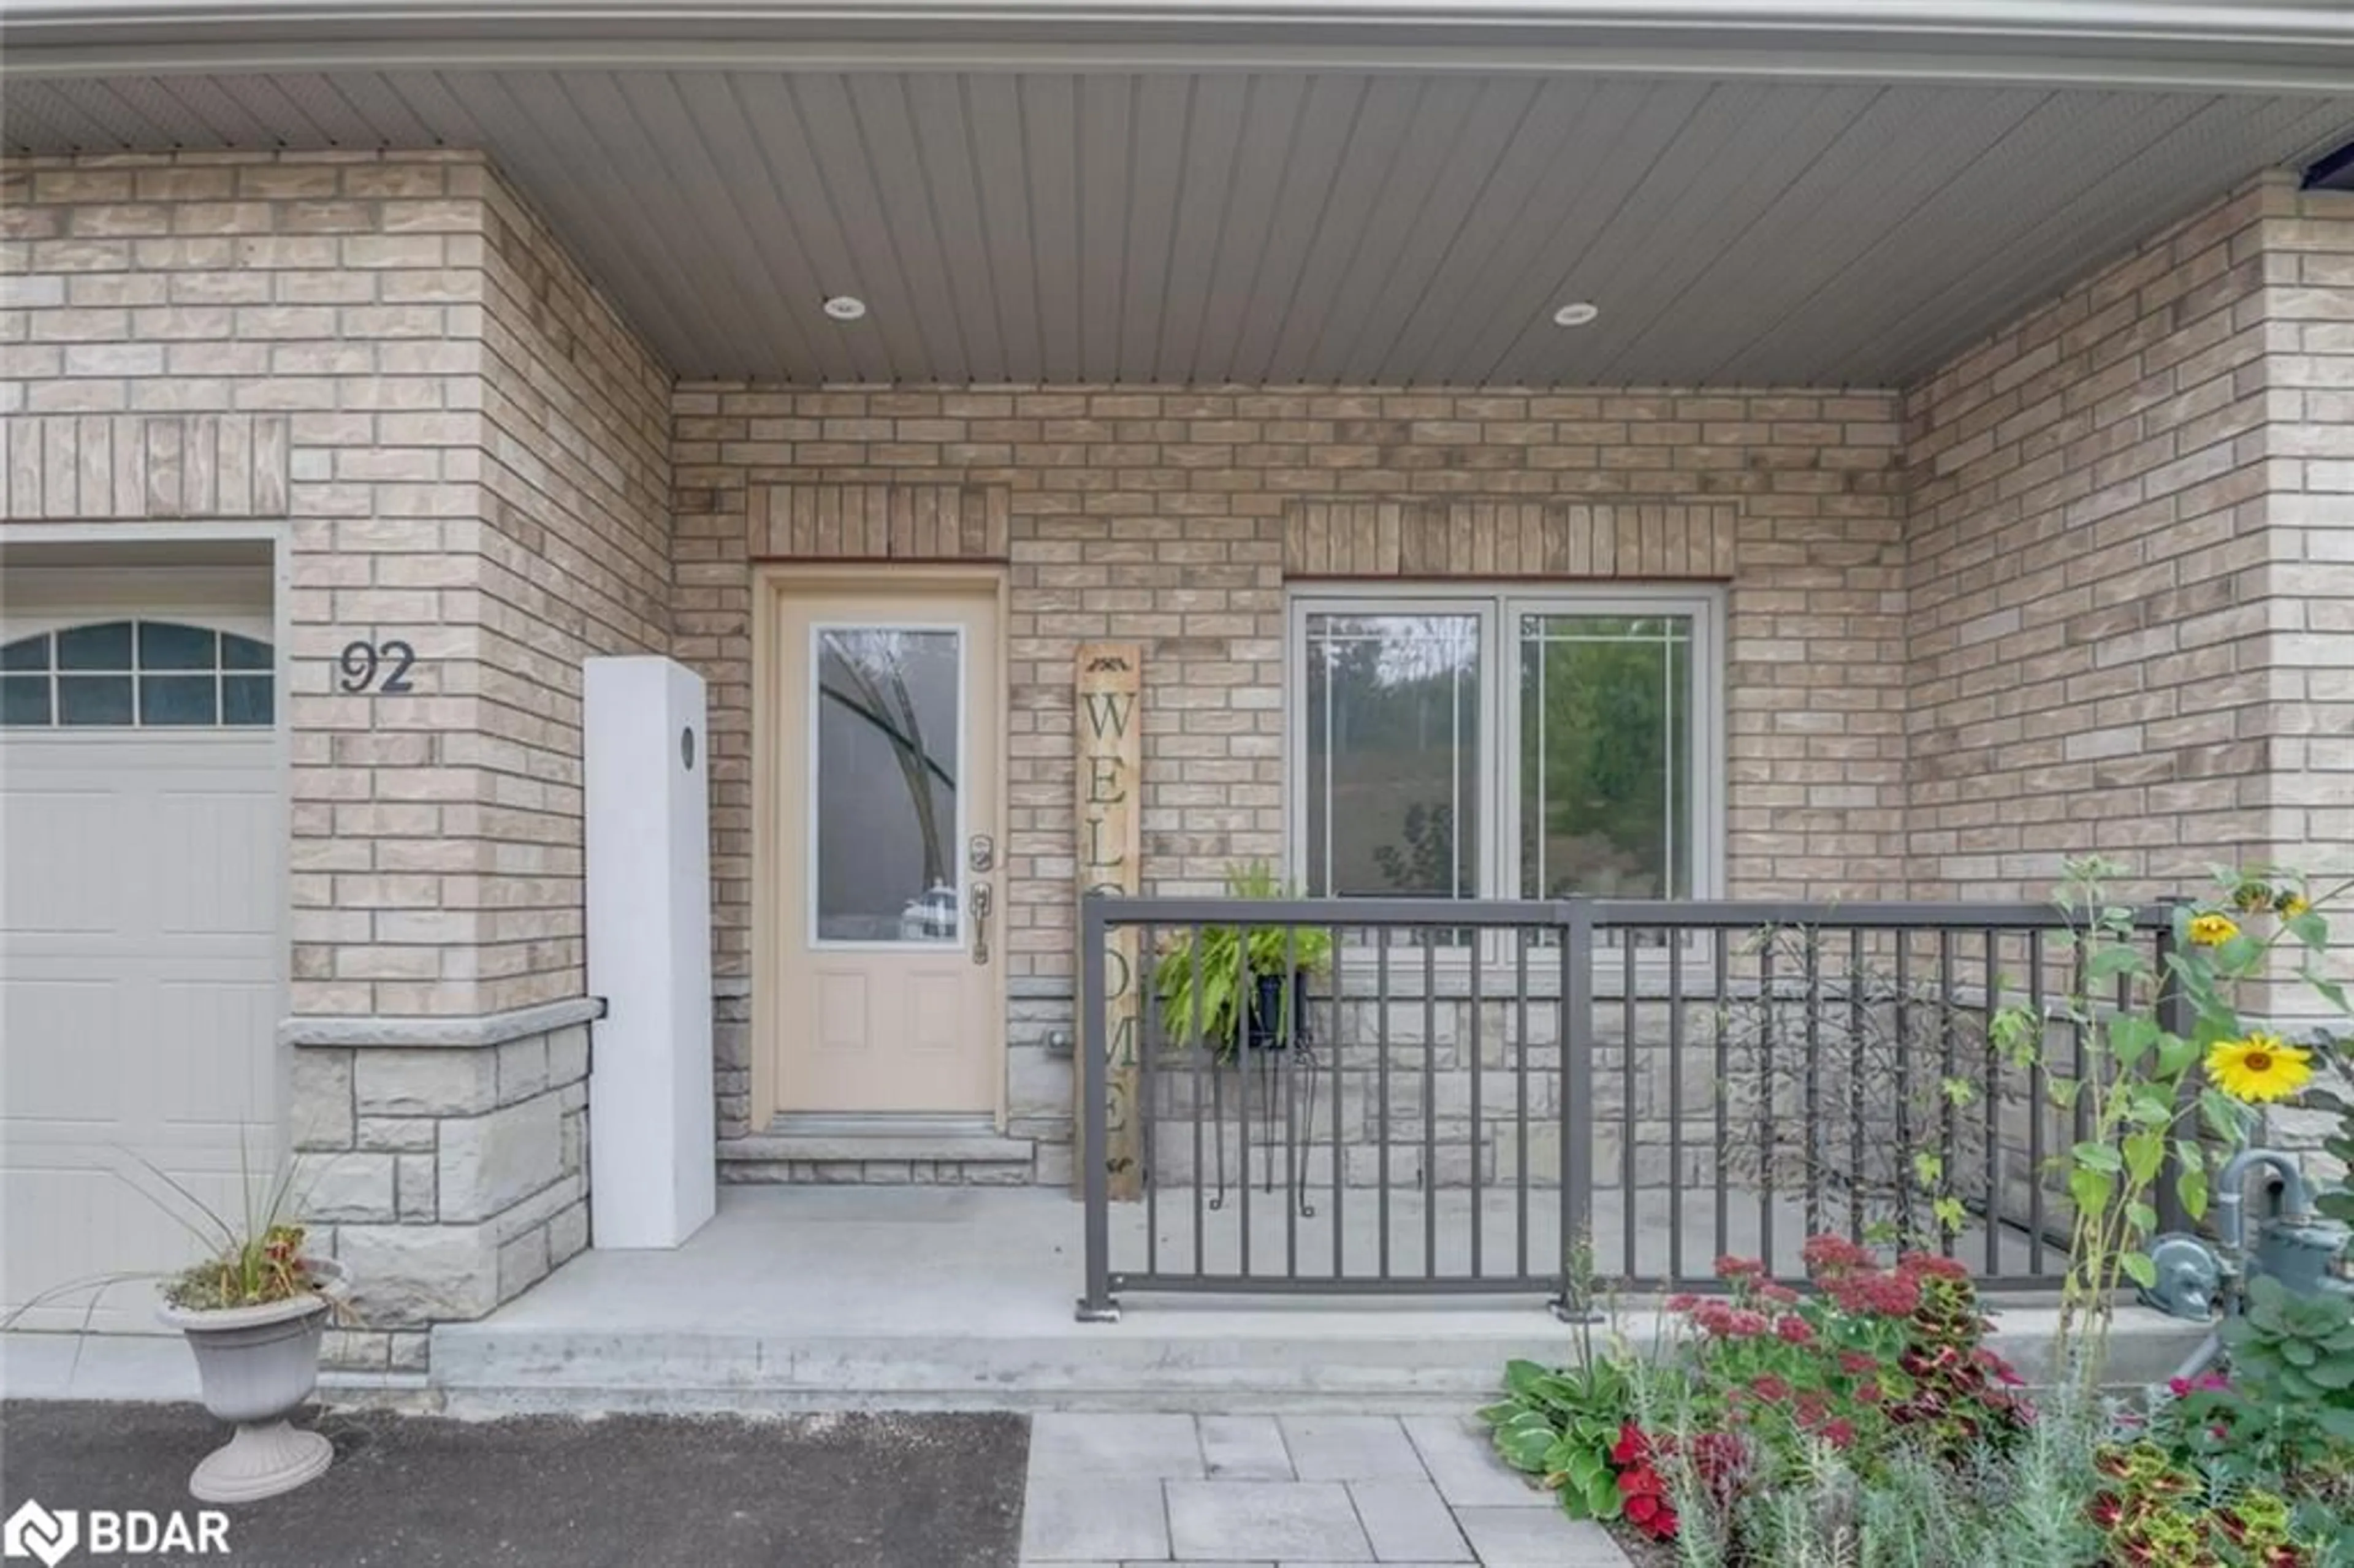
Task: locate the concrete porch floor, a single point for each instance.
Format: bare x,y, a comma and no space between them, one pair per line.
817,1297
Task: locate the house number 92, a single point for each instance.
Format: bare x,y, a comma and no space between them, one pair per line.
380,666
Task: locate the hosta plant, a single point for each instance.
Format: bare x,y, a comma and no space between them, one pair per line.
1562,1426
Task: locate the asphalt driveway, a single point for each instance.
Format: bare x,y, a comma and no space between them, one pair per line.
833,1491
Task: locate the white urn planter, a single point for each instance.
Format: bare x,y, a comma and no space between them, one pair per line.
256,1365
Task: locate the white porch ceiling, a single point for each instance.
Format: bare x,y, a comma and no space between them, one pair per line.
1231,226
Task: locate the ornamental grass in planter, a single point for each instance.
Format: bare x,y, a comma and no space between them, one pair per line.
254,1313
254,1309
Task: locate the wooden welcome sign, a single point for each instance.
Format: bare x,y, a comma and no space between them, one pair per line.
1110,860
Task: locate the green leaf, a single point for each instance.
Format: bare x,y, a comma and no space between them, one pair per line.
2065,1092
2329,989
2142,1217
2310,927
1928,1169
2333,1373
1949,1212
2226,1118
1582,1465
2130,1038
2091,1189
2145,1151
2191,1188
2139,1268
1525,1442
1523,1376
2176,1056
2110,961
1958,1091
2090,1156
2238,953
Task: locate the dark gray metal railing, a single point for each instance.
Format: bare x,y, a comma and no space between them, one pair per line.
1559,1096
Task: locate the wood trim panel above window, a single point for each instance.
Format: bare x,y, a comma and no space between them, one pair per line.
878,523
1517,540
142,467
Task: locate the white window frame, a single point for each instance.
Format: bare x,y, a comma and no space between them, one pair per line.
1499,606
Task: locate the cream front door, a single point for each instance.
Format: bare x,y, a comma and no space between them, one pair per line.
888,901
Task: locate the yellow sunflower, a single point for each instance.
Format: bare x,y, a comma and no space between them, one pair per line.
2259,1068
2212,930
2292,904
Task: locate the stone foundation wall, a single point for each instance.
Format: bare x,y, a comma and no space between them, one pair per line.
448,1178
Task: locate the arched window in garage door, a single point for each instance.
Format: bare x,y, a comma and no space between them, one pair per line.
146,675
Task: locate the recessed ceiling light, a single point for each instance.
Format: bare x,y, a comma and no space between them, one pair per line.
1577,313
845,307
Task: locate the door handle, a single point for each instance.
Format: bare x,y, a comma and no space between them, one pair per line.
977,898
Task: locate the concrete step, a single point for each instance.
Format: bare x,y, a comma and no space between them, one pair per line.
484,1369
944,1156
1271,1359
836,1299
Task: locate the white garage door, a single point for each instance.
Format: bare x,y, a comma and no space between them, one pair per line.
140,835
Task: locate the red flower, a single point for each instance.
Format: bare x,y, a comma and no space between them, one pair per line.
1767,1386
1650,1513
1682,1303
1780,1295
1839,1433
1855,1363
2005,1373
1794,1331
1632,1447
1928,1265
1724,1321
1869,1295
1829,1256
1731,1267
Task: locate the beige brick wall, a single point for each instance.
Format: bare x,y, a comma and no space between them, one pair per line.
470,451
2129,566
575,562
2087,576
2308,718
1163,515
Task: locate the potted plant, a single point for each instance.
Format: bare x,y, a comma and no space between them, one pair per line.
254,1313
255,1310
1242,988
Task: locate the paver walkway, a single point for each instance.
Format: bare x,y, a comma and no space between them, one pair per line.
1234,1490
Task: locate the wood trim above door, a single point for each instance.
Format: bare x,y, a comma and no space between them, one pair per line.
878,522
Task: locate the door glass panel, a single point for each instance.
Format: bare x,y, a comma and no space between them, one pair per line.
883,831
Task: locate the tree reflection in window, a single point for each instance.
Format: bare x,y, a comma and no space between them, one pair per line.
886,806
